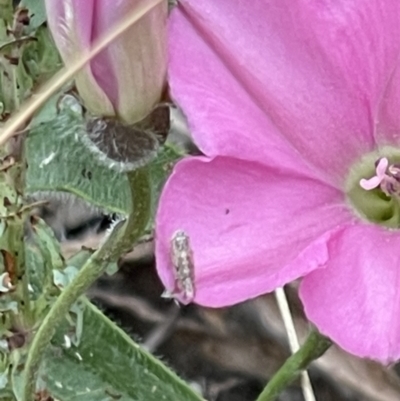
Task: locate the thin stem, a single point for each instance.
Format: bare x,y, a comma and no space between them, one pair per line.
288,322
119,242
29,107
315,346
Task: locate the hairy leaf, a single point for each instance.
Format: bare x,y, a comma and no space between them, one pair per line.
107,365
59,161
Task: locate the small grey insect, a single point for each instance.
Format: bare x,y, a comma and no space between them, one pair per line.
182,260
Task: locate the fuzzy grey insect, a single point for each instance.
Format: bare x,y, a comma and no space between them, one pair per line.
182,260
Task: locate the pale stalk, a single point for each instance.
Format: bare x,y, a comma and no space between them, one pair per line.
294,345
66,74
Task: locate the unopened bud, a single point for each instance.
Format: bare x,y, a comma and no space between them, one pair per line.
126,79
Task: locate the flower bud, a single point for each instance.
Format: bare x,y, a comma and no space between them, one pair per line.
126,79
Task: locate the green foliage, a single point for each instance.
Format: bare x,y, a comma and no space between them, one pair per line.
6,11
40,58
43,255
89,358
107,365
28,56
59,161
37,12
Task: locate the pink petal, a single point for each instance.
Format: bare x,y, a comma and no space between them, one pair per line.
251,228
315,69
355,299
223,116
71,24
388,119
132,70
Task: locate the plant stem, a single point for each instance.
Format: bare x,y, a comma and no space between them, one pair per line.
315,346
117,243
288,322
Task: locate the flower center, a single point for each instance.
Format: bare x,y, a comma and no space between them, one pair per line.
373,187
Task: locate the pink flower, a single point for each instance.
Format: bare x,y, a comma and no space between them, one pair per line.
127,78
292,102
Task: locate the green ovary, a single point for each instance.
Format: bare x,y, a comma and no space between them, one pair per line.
373,205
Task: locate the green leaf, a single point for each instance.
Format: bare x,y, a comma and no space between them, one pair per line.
24,79
59,160
48,244
6,85
107,365
37,12
35,59
40,58
6,10
45,114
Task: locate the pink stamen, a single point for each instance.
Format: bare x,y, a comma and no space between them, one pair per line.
376,180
